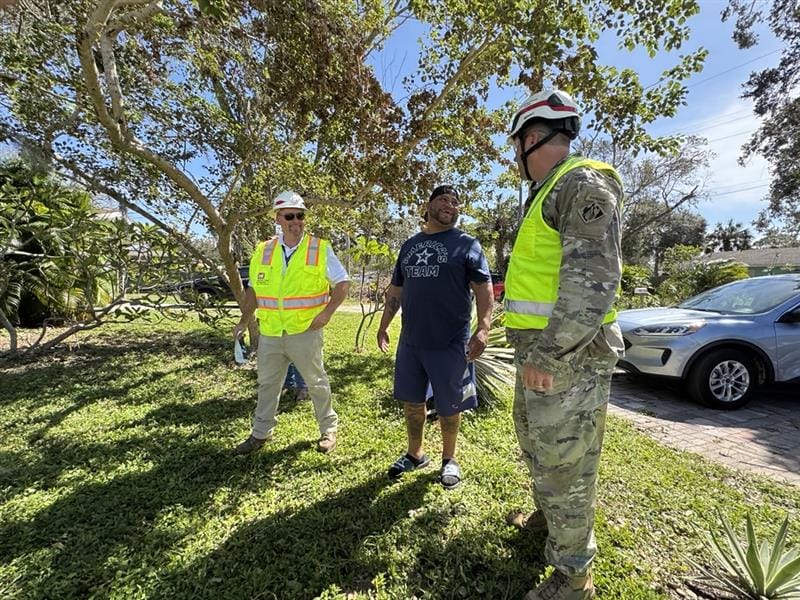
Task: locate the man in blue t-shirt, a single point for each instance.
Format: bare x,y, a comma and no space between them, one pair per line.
437,272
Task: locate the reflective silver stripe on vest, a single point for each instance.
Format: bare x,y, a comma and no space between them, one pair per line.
267,302
312,254
269,248
523,307
305,301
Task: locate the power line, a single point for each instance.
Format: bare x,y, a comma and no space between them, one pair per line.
743,183
710,77
737,134
745,189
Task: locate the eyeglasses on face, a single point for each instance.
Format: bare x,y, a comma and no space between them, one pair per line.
448,199
291,216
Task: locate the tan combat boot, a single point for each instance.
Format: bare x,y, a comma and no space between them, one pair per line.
533,522
563,587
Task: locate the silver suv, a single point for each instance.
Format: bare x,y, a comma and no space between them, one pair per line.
724,342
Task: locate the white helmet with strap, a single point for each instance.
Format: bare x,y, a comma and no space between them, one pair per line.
554,106
288,199
556,109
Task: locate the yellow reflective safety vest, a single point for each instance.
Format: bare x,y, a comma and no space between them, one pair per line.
289,300
531,286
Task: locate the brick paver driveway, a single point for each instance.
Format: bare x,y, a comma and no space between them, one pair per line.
763,437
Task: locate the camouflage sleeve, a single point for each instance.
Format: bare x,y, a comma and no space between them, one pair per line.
585,208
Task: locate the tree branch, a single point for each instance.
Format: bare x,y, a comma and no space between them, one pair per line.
96,321
690,196
408,145
120,136
96,185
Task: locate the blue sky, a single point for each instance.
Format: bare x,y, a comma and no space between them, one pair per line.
716,111
714,107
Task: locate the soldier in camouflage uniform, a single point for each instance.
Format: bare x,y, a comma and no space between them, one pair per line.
561,284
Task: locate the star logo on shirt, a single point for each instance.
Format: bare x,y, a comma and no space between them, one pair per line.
422,257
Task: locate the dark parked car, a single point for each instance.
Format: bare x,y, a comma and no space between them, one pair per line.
211,286
724,342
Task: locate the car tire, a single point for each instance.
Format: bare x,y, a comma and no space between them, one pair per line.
724,378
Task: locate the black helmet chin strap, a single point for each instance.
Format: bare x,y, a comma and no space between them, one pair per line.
534,148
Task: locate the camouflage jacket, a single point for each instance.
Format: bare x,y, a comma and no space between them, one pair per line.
585,208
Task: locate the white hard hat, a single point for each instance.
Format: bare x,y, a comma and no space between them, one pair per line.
554,106
288,199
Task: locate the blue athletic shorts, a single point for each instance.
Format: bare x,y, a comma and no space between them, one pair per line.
450,375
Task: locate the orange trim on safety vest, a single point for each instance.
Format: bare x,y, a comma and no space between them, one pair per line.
267,302
269,248
302,302
312,252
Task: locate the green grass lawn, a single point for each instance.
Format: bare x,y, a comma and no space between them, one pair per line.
116,480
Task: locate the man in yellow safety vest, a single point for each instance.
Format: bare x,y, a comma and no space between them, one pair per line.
291,277
560,289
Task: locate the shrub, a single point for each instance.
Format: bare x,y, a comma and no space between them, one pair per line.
757,570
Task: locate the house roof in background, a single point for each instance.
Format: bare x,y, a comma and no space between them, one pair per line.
758,257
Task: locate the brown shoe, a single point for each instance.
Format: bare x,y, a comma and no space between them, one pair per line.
563,587
327,442
251,444
533,522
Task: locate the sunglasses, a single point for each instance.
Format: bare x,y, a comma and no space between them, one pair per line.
291,216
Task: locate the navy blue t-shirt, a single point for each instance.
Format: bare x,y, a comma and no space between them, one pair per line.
435,271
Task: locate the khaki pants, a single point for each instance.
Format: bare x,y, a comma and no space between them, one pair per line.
274,355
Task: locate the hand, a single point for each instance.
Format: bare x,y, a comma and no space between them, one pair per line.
383,340
536,380
477,344
239,330
320,321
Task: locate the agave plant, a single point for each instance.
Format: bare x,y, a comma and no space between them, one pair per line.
757,570
494,369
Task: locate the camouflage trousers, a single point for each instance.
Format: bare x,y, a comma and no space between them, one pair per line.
560,434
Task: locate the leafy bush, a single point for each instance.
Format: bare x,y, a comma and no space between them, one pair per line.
759,570
636,276
495,372
699,277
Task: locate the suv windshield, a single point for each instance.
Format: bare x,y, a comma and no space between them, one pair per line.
746,297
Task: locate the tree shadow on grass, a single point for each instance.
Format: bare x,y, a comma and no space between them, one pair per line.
350,372
103,362
476,563
351,539
110,372
87,530
300,554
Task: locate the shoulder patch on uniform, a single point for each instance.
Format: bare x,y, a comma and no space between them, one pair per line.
592,211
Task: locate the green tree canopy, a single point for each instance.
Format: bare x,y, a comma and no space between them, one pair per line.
728,237
774,91
195,114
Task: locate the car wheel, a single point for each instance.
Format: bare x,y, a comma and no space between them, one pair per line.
724,378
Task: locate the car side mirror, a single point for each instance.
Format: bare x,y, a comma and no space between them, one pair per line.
793,316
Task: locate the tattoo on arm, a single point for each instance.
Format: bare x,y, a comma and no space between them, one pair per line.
392,305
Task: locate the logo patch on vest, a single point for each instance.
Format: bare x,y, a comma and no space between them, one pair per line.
260,276
591,212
